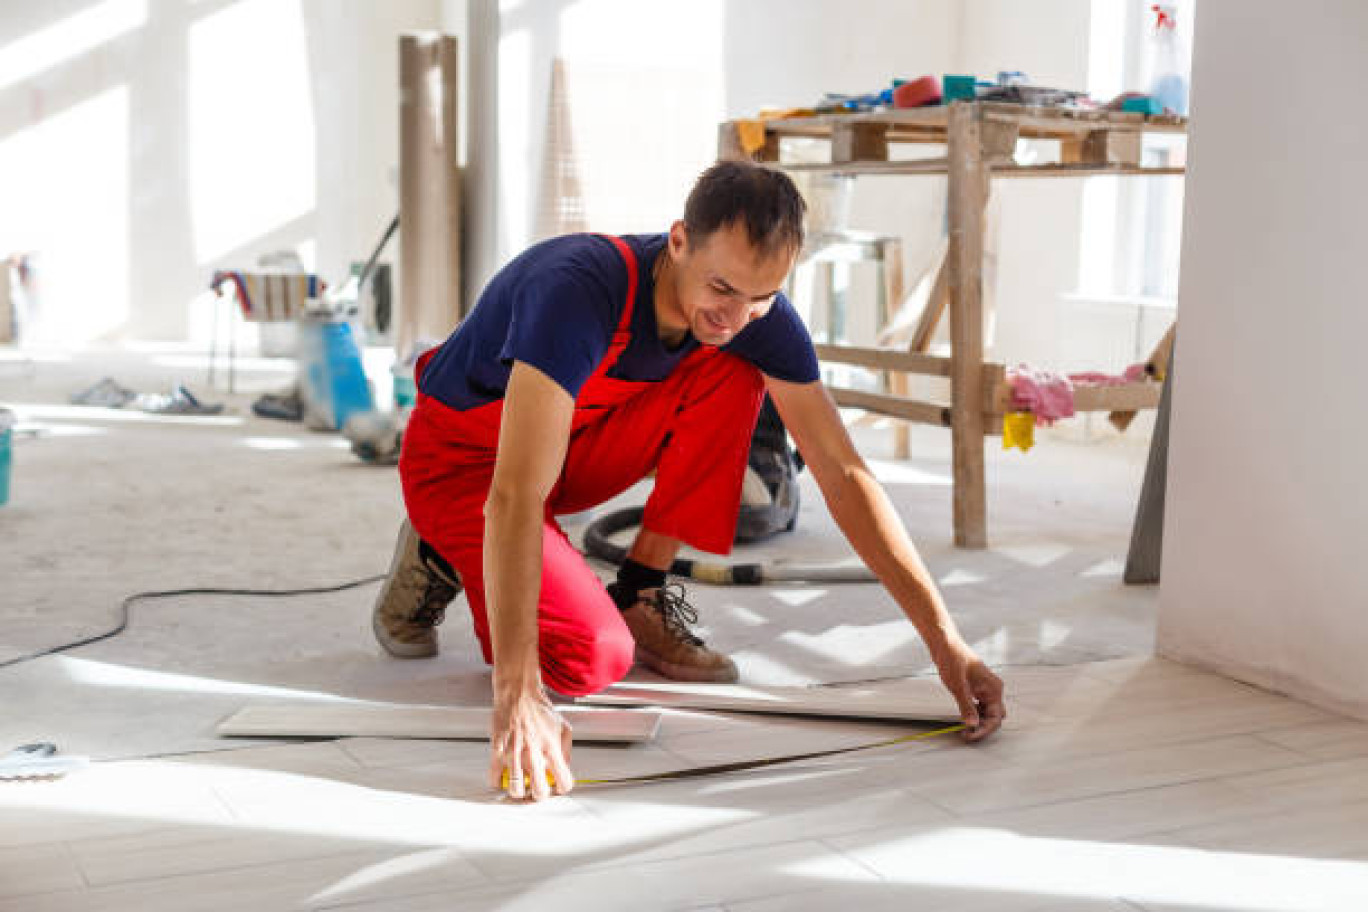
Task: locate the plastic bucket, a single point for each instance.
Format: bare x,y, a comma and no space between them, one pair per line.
6,453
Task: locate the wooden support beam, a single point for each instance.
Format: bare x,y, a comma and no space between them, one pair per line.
429,190
1131,396
879,403
886,359
729,142
890,255
732,147
852,142
1158,364
1156,367
999,140
729,147
968,191
936,302
1112,147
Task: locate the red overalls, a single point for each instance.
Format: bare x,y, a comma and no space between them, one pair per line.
694,428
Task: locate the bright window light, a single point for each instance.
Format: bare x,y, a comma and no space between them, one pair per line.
515,142
110,674
987,860
69,39
64,183
251,124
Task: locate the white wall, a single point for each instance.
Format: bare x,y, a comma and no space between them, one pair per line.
144,143
1263,567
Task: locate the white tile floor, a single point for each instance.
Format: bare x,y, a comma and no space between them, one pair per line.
1119,785
1137,784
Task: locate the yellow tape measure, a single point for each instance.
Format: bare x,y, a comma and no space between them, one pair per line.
739,766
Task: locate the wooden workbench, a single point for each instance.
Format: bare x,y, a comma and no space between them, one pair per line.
979,139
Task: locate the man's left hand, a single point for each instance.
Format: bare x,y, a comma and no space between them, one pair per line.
975,688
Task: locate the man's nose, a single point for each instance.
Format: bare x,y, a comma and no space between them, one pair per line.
737,315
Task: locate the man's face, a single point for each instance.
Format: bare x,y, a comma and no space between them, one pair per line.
723,283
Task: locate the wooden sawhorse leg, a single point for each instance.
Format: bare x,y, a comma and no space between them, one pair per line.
968,190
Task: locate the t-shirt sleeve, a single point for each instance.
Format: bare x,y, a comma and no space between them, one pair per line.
778,344
561,324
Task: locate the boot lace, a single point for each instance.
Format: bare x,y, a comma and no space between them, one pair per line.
436,594
678,613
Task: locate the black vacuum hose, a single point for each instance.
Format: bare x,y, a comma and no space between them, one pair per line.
597,544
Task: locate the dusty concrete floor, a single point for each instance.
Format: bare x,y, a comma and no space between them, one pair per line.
107,503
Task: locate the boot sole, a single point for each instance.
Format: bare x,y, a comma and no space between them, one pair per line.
728,675
399,649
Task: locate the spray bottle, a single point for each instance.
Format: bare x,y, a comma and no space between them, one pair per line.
1169,85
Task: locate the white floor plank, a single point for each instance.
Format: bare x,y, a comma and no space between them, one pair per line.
293,884
1335,739
1042,779
723,879
34,869
906,700
396,720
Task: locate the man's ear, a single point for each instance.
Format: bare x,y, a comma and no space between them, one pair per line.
679,239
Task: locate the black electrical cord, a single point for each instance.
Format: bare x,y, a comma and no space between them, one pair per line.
125,613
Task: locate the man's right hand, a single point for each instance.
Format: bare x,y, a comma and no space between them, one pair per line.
528,740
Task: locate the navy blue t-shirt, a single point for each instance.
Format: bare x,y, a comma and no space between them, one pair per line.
556,306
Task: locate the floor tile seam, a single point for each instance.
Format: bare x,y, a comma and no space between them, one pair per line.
232,868
1183,741
1162,706
1092,795
854,859
1313,766
1170,836
60,849
75,863
1282,812
629,862
188,877
73,892
1253,815
1171,704
1263,736
90,844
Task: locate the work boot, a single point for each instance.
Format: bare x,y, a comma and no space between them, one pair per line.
414,599
659,620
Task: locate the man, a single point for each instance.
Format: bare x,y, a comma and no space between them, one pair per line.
588,362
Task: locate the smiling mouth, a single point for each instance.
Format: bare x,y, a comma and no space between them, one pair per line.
717,324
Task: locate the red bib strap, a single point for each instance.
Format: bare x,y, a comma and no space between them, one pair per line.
628,257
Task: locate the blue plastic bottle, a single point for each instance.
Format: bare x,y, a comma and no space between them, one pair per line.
1169,85
6,451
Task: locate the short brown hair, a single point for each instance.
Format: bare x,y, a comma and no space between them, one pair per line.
763,199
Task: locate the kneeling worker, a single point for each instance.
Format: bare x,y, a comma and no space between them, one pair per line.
588,362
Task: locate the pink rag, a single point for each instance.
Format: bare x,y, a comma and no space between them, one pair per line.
1049,396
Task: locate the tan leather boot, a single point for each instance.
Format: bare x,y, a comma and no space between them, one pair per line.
413,600
659,620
